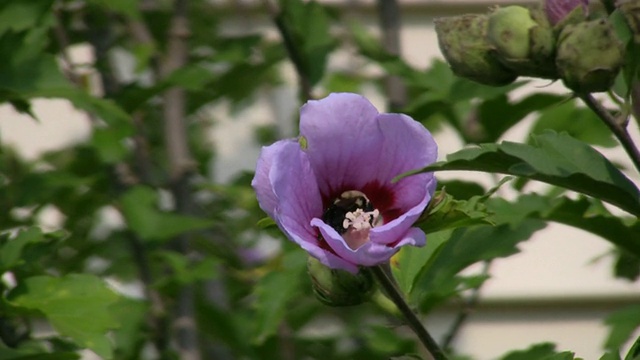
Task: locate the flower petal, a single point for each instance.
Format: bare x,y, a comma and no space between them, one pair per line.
407,145
392,231
295,191
368,254
261,183
343,141
351,146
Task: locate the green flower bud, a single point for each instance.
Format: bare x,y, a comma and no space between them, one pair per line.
589,56
631,12
523,40
463,43
335,287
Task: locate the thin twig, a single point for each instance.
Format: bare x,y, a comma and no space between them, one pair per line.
292,50
618,129
466,310
412,320
635,101
389,15
158,320
180,167
175,129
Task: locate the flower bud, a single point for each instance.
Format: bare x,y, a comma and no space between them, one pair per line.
336,287
523,40
589,56
464,44
630,9
566,11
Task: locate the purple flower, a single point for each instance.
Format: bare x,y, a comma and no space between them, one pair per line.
330,191
557,10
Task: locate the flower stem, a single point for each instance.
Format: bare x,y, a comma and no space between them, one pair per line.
618,129
412,320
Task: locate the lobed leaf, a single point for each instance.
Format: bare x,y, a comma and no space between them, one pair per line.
583,213
77,305
543,351
437,280
557,159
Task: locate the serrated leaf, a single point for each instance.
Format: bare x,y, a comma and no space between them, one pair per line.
581,123
139,208
437,280
557,159
627,266
450,213
499,114
68,303
535,352
583,213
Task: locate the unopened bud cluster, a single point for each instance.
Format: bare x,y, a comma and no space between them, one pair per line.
557,40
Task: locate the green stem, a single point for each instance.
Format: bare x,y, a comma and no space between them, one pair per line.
412,320
618,129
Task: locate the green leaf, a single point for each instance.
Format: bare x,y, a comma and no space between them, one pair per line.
579,122
309,24
610,356
139,208
499,114
110,143
634,352
11,251
77,306
583,213
622,323
437,279
448,213
266,222
544,351
129,337
627,266
127,7
410,260
18,16
11,354
274,293
461,189
184,270
557,159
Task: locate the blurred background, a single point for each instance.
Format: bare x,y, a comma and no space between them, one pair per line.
558,288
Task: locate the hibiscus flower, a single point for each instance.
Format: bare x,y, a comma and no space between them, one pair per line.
331,190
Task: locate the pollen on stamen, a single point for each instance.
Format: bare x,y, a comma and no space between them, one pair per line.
360,219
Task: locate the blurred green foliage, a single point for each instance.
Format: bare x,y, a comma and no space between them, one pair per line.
124,224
